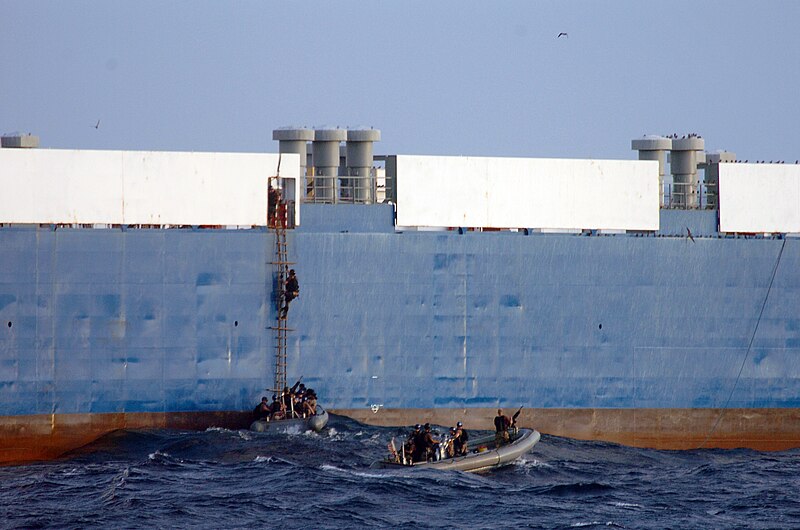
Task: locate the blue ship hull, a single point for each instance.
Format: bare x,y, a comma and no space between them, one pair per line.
657,340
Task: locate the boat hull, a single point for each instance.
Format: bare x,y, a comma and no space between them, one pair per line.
475,462
314,423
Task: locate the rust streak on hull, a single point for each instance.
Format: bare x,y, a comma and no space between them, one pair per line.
45,436
759,429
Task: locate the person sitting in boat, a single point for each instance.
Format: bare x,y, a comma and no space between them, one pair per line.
262,409
309,402
276,410
501,425
430,444
460,439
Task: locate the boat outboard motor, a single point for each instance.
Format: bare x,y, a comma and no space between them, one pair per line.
441,450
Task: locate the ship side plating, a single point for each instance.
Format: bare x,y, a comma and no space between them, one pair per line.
670,331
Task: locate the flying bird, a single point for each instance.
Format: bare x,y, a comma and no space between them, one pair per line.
689,234
562,34
97,125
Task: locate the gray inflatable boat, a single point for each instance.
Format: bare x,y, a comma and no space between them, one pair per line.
476,460
315,423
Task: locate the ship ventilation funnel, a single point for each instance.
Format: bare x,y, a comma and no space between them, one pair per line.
683,164
294,140
711,167
326,163
359,163
654,148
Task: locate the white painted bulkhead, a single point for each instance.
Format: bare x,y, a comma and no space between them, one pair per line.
140,187
759,198
527,193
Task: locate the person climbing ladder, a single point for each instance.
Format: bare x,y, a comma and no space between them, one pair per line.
291,291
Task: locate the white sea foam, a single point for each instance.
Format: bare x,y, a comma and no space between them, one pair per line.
292,431
364,474
627,505
218,429
533,463
271,460
118,482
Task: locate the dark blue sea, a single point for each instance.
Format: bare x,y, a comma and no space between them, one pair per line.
236,479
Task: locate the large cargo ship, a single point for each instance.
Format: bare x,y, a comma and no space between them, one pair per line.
613,300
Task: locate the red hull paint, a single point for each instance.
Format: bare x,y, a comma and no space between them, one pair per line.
45,437
759,429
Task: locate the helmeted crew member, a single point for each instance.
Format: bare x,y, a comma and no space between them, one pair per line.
429,442
501,425
310,402
411,442
291,292
276,408
419,445
286,398
450,450
262,409
460,440
273,198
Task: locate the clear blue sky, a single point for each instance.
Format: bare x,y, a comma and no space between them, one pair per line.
447,77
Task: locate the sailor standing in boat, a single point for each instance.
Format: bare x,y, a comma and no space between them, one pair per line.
310,402
460,439
450,449
430,443
413,442
501,425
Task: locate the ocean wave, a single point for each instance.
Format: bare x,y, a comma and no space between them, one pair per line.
117,482
579,488
531,464
219,477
